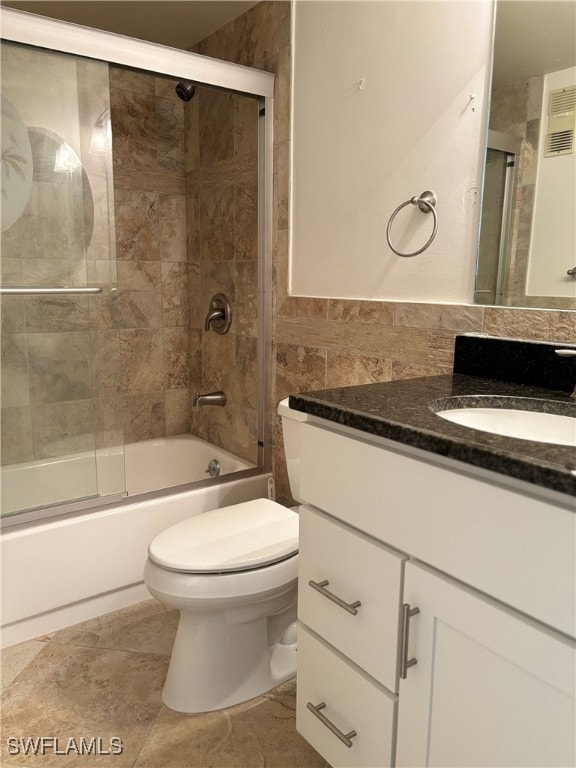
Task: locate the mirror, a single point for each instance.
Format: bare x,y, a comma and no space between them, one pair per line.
527,240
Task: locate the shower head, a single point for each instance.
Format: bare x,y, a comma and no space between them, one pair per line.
185,91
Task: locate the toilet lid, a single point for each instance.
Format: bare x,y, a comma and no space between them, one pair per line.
237,538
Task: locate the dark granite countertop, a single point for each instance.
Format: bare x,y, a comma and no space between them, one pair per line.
400,411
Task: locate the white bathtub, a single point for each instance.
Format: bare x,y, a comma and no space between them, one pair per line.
137,468
57,573
155,464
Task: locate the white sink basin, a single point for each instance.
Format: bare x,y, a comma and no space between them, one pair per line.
526,425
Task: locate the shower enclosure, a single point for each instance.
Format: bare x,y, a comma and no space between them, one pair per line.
136,186
493,262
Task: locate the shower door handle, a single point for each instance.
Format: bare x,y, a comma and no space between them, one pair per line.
41,291
572,272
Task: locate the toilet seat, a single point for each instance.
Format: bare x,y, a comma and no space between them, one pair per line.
242,537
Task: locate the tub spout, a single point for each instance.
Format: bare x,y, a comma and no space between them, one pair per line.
210,398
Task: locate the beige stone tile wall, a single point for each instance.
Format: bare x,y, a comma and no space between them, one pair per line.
221,179
222,214
320,343
397,341
147,331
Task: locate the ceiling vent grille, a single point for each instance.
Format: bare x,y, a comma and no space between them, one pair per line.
559,143
562,100
561,122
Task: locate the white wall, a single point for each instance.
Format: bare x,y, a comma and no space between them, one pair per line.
358,152
553,242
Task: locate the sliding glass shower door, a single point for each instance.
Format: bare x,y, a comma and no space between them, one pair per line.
492,263
61,437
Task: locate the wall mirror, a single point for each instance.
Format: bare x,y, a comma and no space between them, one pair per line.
353,164
527,232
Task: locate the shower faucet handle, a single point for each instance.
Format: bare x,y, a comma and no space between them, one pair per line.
219,317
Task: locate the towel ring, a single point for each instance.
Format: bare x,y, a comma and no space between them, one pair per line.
427,203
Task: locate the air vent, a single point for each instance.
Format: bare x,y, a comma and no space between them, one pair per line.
561,143
561,122
562,100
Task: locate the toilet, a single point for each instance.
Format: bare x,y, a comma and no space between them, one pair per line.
232,574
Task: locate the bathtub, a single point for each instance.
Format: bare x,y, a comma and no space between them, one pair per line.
135,468
58,572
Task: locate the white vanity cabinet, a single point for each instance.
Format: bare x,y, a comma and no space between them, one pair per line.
436,611
490,688
349,606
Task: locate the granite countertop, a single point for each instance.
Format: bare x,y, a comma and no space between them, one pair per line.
400,411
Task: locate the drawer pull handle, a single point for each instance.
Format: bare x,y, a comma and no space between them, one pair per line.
405,662
320,586
345,738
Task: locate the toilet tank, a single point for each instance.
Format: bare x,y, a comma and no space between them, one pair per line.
291,429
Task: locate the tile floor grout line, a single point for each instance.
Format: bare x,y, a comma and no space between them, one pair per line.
3,690
111,648
148,735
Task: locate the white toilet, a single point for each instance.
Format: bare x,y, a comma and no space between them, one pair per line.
232,574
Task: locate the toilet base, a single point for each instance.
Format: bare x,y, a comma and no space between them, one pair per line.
215,664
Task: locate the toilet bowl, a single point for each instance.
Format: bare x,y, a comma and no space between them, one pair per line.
232,574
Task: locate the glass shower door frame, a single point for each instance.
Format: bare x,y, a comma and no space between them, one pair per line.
62,37
510,145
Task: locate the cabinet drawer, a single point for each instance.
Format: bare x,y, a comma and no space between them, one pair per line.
353,703
357,569
472,528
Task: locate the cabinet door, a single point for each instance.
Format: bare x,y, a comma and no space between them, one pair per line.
489,687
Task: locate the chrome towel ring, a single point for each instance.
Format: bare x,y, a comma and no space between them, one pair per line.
427,203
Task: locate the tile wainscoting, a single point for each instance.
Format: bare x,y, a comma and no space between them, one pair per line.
322,343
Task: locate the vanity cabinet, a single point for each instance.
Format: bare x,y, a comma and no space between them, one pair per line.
436,611
350,591
348,606
358,716
490,687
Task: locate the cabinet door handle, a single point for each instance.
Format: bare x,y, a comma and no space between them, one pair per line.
345,738
405,662
320,586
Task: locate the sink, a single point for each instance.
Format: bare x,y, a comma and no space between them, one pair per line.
538,425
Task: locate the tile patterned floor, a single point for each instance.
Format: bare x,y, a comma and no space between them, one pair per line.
103,678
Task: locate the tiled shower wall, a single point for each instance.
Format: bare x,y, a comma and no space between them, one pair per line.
333,342
222,225
258,38
142,348
186,204
515,110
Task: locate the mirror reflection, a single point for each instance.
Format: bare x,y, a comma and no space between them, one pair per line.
527,238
